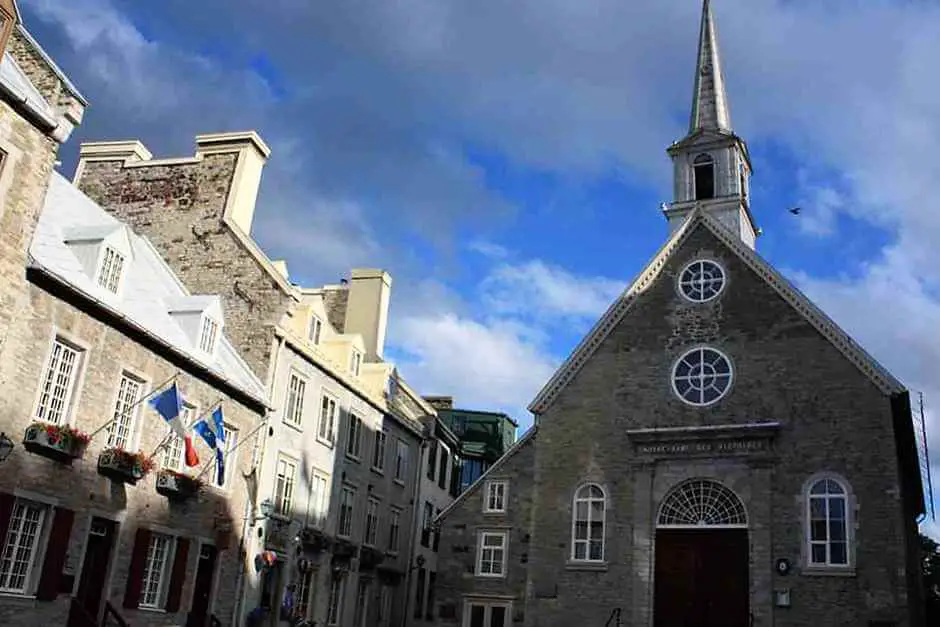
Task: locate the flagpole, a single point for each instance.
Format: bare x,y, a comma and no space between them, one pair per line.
136,403
166,439
235,448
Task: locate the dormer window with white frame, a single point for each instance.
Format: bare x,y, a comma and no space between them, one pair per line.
355,363
315,330
208,335
111,269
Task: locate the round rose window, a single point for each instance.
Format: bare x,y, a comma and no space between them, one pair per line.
701,281
702,376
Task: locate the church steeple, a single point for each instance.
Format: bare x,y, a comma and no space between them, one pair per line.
711,164
709,100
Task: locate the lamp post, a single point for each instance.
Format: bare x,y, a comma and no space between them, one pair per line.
6,446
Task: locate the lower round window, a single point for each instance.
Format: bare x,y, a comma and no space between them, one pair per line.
702,376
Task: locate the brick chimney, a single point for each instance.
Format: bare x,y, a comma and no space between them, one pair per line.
369,292
252,153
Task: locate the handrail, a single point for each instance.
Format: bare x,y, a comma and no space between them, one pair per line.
614,614
214,621
110,611
79,616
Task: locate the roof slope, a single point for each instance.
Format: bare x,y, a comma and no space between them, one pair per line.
149,286
881,378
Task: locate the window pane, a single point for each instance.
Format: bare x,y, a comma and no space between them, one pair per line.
476,615
817,509
580,531
818,530
837,508
595,492
818,488
836,531
838,553
580,550
819,554
597,510
596,550
833,487
497,617
597,530
581,510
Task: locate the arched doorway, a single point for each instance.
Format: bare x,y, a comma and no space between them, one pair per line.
702,574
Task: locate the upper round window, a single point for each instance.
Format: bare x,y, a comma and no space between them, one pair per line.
702,376
701,280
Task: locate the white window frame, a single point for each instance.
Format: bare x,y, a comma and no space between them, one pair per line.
371,535
394,523
354,436
848,500
294,399
495,496
48,384
582,495
132,414
283,499
355,363
401,461
326,421
689,354
334,602
306,592
162,572
318,505
362,603
682,282
482,549
110,271
379,443
487,611
346,521
315,330
36,547
209,331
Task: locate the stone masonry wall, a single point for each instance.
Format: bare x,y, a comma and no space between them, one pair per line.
460,530
38,71
833,419
107,353
24,177
179,208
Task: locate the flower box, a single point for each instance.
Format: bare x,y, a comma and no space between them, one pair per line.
122,466
60,443
314,540
177,486
369,558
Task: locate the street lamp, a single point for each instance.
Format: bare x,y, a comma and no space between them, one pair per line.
6,446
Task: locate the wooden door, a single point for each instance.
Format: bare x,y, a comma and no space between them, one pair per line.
94,575
701,578
202,588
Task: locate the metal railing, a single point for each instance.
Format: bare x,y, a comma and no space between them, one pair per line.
614,616
79,616
214,621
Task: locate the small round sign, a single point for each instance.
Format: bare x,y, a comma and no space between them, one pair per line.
783,566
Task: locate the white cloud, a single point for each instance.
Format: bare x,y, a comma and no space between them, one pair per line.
539,290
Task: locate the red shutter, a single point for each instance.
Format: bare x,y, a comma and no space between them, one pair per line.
178,576
55,554
135,572
6,511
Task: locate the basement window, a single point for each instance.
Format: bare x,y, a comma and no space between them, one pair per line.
703,169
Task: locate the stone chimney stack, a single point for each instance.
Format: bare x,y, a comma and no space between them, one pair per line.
367,309
252,153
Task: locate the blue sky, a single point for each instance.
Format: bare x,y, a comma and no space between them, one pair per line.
505,159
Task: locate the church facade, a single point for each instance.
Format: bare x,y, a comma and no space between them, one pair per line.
715,453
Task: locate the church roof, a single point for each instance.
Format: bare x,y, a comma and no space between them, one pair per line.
878,375
709,100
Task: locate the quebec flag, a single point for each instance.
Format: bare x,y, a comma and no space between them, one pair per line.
214,436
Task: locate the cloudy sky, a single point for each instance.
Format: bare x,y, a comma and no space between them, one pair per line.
504,159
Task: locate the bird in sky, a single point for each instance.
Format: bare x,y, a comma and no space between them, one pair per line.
795,211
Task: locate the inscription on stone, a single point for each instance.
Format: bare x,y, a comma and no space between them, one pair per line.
697,448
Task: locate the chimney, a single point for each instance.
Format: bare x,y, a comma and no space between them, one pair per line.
130,151
440,402
252,153
367,309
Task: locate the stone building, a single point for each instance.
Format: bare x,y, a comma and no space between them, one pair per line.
716,452
87,525
337,479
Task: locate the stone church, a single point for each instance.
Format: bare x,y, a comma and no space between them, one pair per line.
716,452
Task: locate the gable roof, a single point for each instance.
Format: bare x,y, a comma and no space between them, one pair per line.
878,375
527,437
148,288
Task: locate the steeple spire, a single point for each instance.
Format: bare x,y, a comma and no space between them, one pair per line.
709,100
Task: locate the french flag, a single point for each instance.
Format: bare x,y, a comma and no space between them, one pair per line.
169,404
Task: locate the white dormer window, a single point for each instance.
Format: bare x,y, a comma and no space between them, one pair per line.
355,363
316,327
208,335
111,270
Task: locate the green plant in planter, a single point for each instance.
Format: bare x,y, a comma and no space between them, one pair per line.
176,485
120,465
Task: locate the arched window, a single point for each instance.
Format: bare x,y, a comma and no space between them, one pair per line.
701,503
827,519
587,526
703,169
